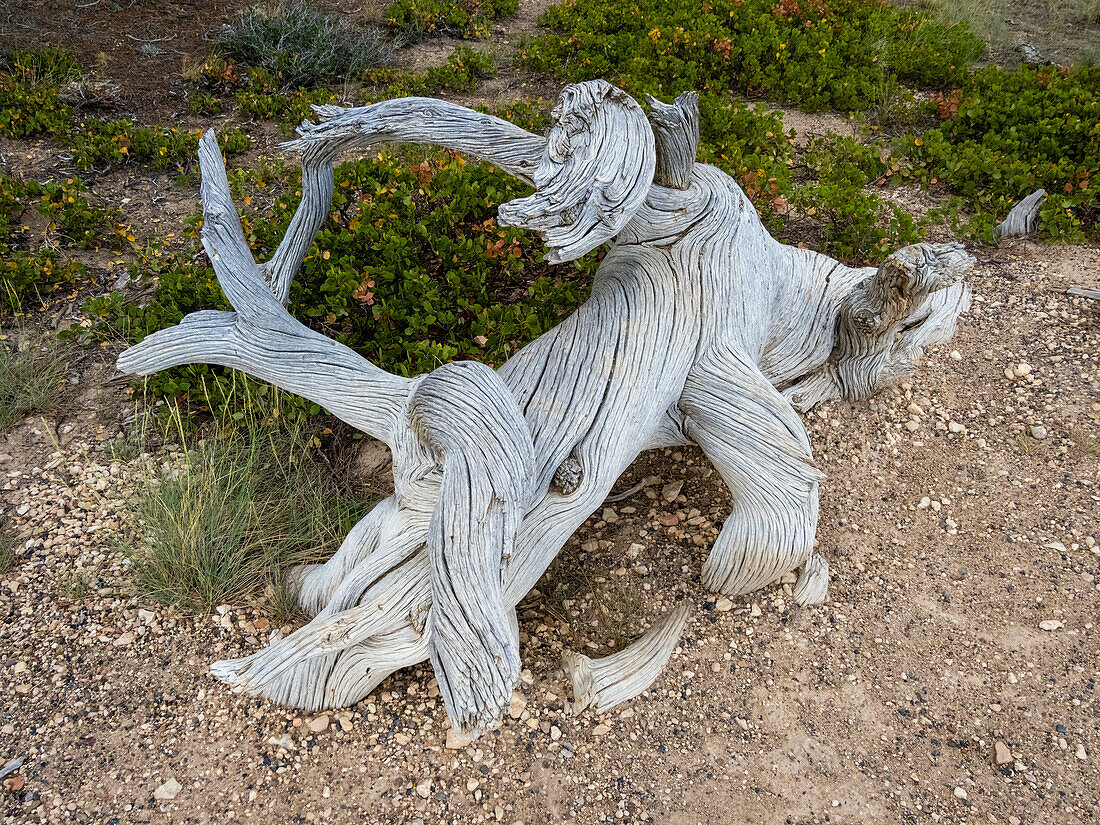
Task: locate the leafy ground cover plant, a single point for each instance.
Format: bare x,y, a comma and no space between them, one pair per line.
29,269
32,108
1005,134
299,45
817,53
411,270
416,19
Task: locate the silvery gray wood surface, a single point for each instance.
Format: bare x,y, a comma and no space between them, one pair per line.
700,329
1022,218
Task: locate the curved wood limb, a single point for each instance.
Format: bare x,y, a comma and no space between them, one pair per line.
604,683
753,437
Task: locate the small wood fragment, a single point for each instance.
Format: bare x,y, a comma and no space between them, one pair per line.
1023,218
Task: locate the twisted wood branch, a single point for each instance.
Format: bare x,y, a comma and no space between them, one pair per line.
700,329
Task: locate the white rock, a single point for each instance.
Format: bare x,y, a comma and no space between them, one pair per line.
959,793
1051,624
169,790
517,704
1038,431
125,640
319,724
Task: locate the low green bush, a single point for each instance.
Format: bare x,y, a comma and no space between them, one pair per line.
415,19
32,109
411,270
817,53
34,275
72,209
1005,134
76,217
461,73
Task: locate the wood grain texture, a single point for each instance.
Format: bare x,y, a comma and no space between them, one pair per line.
1023,218
700,329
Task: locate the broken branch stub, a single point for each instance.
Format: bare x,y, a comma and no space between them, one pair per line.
1023,218
700,329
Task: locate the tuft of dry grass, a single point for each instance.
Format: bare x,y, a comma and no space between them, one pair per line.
32,377
1085,443
246,505
7,549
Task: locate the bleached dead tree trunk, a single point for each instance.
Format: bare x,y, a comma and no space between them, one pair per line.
700,329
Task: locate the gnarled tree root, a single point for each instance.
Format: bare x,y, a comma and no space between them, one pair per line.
700,328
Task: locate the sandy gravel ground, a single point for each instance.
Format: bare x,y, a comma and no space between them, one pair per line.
951,677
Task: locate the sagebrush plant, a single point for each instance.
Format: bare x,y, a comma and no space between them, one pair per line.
248,500
300,45
32,377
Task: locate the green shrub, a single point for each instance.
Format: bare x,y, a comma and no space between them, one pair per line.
263,99
411,270
818,53
300,45
72,209
33,275
415,19
463,69
32,111
1008,133
103,143
461,73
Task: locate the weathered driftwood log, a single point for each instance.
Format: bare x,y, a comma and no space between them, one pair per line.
700,329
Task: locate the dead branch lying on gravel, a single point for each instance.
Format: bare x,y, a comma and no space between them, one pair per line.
700,329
